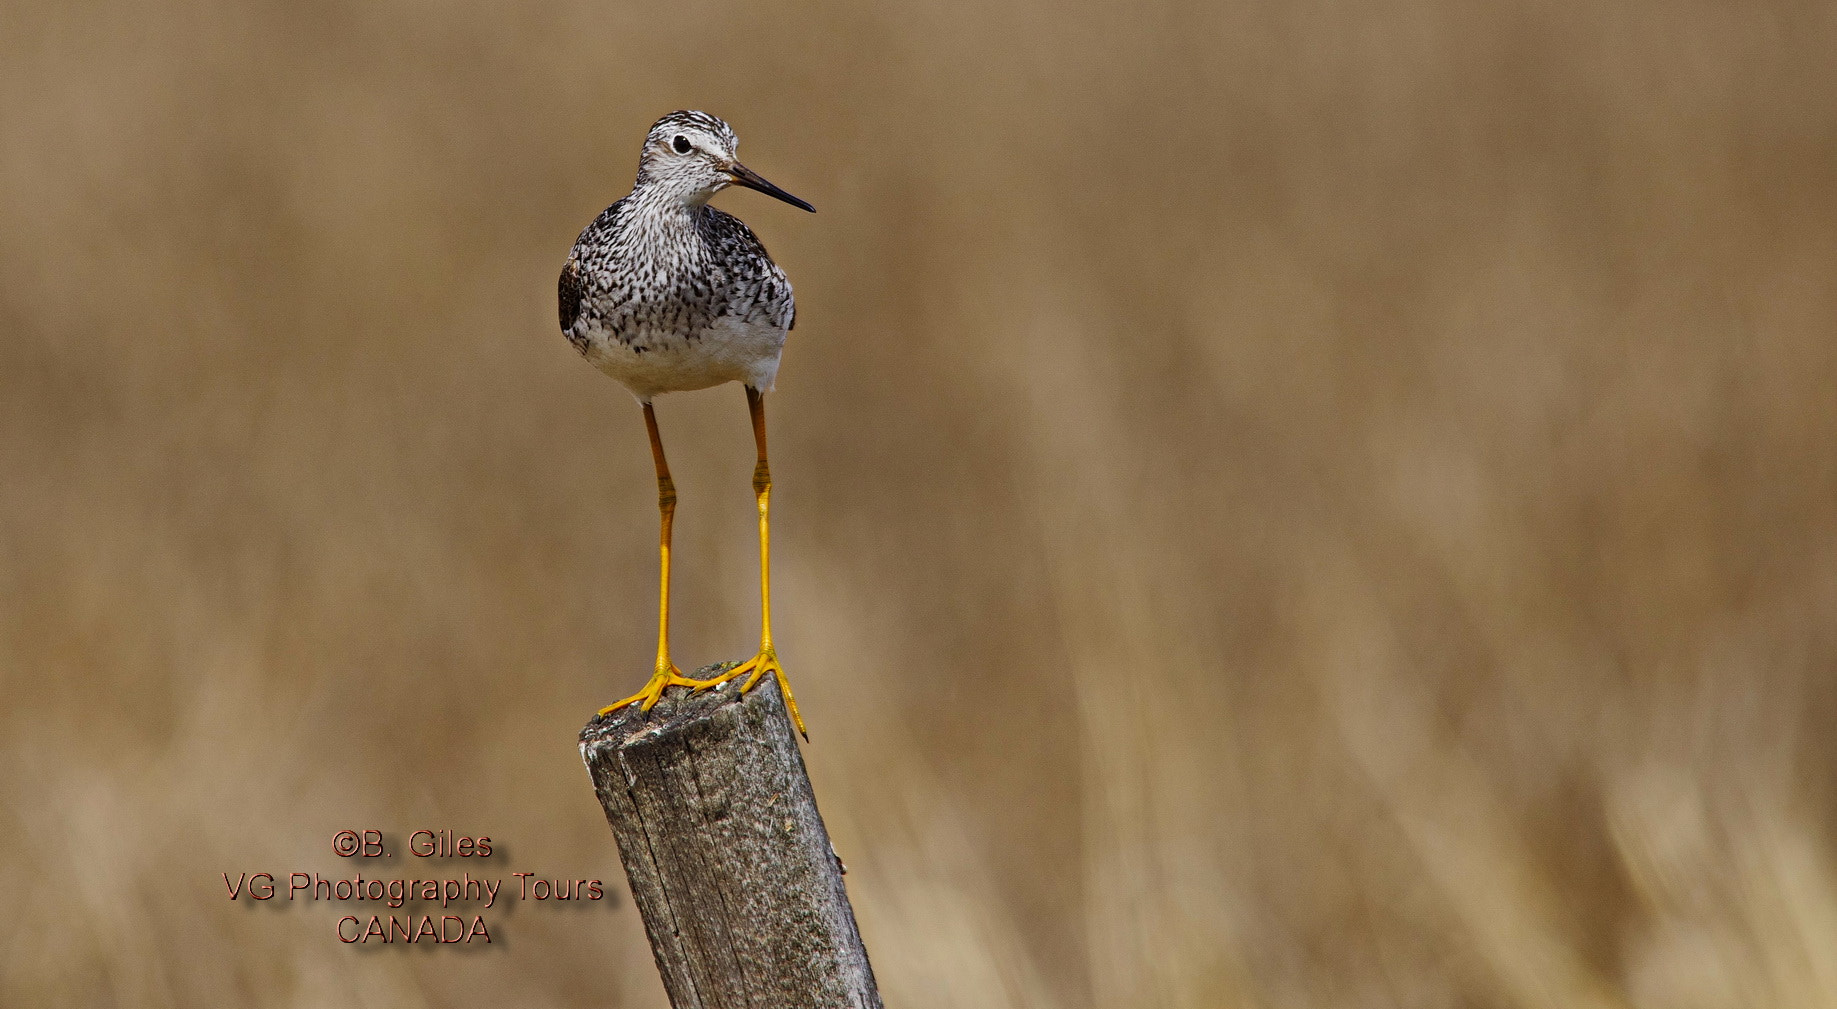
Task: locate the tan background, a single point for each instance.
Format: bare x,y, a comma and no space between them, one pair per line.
1278,504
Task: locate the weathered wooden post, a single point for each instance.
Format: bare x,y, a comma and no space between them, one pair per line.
729,862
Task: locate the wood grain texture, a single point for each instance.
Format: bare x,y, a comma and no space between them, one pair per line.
729,863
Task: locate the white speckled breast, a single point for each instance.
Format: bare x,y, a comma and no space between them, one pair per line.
668,298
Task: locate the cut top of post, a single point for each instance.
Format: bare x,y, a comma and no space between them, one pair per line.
728,859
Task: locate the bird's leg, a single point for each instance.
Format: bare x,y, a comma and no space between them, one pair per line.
667,675
767,659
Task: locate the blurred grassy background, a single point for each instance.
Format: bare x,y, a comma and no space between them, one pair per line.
1278,504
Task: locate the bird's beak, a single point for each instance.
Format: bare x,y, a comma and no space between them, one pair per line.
744,176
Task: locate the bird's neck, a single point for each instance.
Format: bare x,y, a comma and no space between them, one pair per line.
667,223
664,203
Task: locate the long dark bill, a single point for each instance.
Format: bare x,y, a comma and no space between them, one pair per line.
745,176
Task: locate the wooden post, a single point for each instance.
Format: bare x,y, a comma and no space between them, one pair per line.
729,862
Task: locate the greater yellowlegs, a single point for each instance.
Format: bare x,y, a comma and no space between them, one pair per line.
668,294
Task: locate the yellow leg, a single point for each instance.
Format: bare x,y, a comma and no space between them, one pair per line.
767,659
667,675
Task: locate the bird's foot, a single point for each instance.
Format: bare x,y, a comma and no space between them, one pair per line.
755,669
666,676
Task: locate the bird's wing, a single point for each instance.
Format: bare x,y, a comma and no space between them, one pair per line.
736,244
577,285
568,293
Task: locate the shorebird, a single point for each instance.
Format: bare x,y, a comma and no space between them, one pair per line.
668,294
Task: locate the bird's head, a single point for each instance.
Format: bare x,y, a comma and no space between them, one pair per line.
690,156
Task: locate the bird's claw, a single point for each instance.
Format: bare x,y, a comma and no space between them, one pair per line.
666,676
755,669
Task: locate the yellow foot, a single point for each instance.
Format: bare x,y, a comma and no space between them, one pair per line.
759,665
667,676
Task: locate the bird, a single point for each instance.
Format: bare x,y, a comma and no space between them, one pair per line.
667,294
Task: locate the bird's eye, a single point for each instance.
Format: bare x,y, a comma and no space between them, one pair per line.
681,143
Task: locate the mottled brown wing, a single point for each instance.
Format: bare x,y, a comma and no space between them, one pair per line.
568,293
